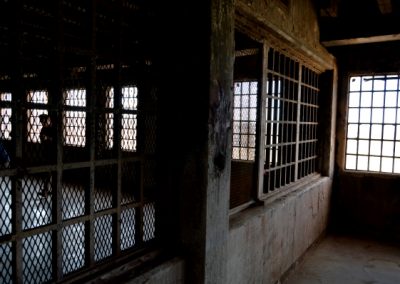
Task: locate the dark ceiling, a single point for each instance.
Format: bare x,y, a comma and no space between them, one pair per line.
345,22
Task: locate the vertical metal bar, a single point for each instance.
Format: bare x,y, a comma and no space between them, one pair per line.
56,102
91,131
395,127
118,124
261,121
383,120
298,118
18,129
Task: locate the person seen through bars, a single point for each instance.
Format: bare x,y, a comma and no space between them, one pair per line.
48,137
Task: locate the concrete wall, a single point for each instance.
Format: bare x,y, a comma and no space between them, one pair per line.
170,272
265,241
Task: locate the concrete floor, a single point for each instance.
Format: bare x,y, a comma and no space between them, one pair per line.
346,260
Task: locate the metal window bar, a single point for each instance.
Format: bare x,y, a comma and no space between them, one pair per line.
84,223
75,117
129,101
373,124
244,120
37,100
5,112
291,122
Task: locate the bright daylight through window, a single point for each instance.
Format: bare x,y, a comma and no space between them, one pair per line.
373,124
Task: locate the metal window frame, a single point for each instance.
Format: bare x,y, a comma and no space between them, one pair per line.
56,83
249,151
371,123
305,146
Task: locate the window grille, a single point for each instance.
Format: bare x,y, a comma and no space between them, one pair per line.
109,131
100,206
75,120
373,124
129,102
291,122
244,120
5,112
129,120
38,101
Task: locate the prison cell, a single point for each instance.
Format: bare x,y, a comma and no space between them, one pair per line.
81,63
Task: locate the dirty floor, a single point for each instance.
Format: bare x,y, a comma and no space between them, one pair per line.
348,260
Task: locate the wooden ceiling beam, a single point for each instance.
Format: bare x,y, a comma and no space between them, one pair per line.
361,40
385,6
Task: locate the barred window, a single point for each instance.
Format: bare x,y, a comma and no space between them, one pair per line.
37,104
244,120
75,207
129,103
373,124
129,119
291,122
5,111
109,131
75,117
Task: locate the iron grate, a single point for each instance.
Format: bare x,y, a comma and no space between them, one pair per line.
148,222
5,263
130,182
5,204
73,248
104,185
128,132
128,231
37,258
103,237
73,200
244,120
36,210
5,118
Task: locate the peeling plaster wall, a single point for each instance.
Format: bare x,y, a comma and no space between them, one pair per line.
264,242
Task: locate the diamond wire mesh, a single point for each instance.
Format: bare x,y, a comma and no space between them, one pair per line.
128,132
73,200
105,185
150,124
244,120
37,258
36,210
73,247
5,263
75,185
130,182
75,128
75,120
103,237
148,221
39,98
5,205
5,118
109,130
128,231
